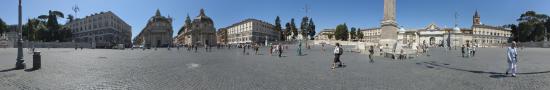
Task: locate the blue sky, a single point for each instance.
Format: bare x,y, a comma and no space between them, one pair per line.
326,13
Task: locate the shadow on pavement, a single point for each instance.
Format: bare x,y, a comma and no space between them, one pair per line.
432,64
7,70
498,76
31,69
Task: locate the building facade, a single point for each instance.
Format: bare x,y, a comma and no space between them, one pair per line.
433,35
221,36
251,31
371,35
199,32
157,33
104,29
325,34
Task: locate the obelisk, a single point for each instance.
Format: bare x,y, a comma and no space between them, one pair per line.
388,33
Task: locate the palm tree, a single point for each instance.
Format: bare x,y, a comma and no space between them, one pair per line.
52,24
70,17
43,17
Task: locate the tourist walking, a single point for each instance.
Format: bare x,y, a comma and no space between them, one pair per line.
256,48
463,50
512,59
338,51
371,53
270,50
323,47
468,50
196,48
299,49
280,49
474,48
244,50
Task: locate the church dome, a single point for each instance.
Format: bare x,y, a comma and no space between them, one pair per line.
456,30
402,30
203,18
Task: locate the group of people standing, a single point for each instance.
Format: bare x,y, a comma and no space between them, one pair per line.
468,50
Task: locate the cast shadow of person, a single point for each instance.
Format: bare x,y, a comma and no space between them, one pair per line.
433,64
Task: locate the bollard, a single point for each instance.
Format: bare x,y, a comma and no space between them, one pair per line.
36,60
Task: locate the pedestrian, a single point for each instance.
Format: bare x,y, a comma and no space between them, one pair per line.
371,53
244,50
403,54
280,49
474,47
323,47
196,48
256,49
205,48
469,47
463,49
512,59
299,49
381,52
270,50
427,51
338,51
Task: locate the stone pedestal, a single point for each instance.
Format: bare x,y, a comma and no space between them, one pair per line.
388,34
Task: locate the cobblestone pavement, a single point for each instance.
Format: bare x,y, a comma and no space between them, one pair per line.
232,70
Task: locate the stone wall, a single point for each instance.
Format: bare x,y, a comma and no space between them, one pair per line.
545,44
55,45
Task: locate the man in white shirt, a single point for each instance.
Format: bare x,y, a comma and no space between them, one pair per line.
337,52
512,54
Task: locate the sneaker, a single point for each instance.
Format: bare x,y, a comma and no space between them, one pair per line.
513,75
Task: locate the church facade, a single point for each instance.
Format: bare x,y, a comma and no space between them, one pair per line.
200,31
157,33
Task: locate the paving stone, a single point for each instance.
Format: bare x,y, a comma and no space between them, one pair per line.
230,69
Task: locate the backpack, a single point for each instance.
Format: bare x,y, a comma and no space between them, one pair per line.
341,51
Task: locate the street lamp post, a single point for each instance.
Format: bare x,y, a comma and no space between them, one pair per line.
20,62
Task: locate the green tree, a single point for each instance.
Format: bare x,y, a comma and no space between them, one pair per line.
53,26
288,30
3,26
341,32
32,28
293,29
360,34
311,29
525,31
278,28
531,26
353,33
70,17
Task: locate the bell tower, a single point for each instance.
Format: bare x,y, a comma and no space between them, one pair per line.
476,18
